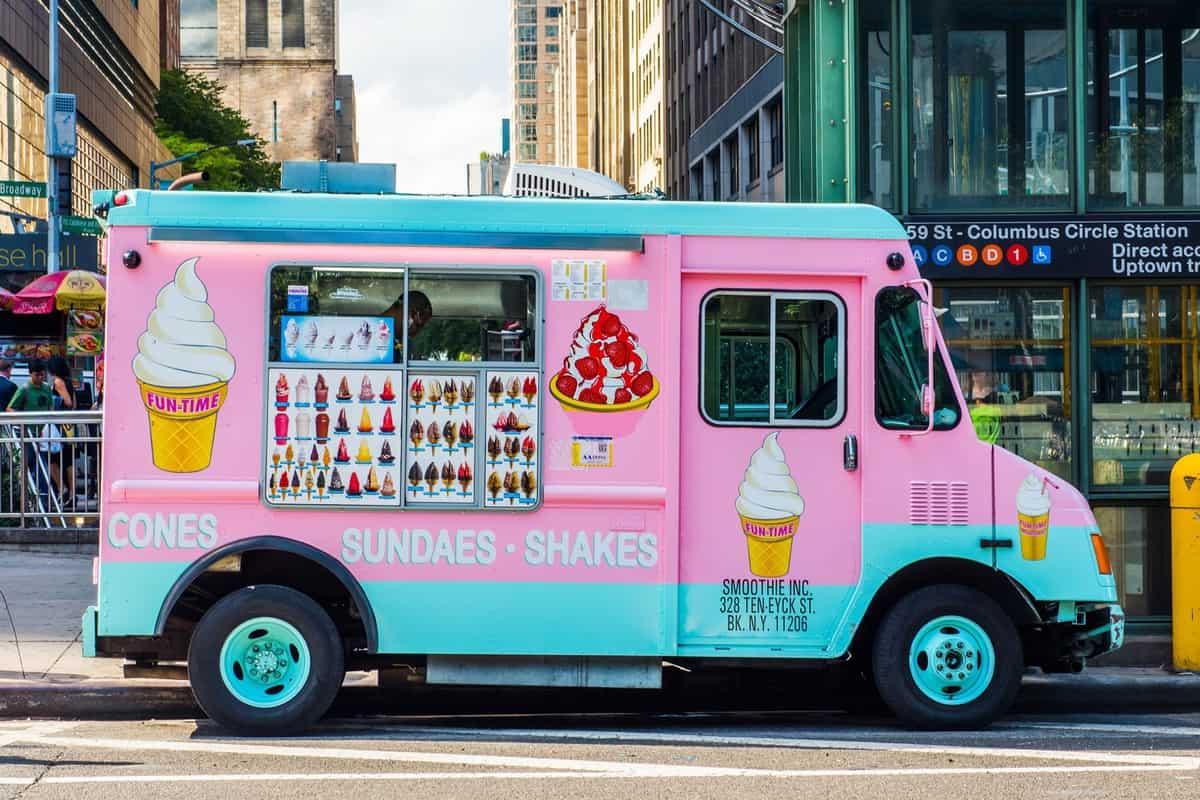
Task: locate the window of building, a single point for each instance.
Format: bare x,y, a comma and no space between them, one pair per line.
732,157
875,146
714,174
528,151
697,182
550,31
256,23
972,147
527,52
553,12
1138,538
1011,350
527,111
527,16
775,117
527,72
773,359
198,28
527,89
902,367
753,167
1144,383
528,132
551,49
527,33
1143,104
293,23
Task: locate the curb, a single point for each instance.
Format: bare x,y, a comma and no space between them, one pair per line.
96,700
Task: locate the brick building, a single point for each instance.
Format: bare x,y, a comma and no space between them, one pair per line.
536,39
724,106
114,94
277,63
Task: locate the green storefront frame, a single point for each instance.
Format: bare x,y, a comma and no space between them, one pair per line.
824,69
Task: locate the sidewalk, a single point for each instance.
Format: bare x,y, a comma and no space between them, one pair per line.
43,672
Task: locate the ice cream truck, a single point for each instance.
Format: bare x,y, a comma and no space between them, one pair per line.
559,442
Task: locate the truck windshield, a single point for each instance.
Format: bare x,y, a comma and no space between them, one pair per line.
900,366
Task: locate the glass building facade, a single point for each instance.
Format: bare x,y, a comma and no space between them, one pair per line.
1045,158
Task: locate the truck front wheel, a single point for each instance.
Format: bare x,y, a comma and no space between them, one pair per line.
265,660
947,657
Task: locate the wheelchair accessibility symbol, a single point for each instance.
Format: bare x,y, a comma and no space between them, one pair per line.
1041,254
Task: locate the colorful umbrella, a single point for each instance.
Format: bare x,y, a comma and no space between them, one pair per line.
61,290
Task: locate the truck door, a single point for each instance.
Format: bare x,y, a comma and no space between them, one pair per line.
770,529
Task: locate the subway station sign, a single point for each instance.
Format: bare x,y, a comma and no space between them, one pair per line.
1056,248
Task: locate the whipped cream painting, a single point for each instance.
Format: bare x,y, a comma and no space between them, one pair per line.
183,368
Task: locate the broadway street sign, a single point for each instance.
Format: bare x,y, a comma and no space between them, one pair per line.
22,189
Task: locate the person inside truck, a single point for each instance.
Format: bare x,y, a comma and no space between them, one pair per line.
420,311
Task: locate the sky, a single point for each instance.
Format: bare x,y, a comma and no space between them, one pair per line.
431,80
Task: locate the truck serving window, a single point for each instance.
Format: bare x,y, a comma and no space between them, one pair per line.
900,366
773,359
402,387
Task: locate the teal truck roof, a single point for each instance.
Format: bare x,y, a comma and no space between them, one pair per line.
502,221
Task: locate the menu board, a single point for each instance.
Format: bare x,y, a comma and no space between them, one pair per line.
340,340
332,437
441,447
85,332
512,455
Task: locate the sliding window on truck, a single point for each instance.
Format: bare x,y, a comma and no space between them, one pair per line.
403,387
773,359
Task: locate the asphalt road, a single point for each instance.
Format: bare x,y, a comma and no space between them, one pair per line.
795,755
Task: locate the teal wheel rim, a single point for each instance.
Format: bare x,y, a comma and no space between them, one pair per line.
265,662
952,660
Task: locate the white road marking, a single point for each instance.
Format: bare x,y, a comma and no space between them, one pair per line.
658,772
1100,727
666,737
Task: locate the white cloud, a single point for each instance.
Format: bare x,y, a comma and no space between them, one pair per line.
432,84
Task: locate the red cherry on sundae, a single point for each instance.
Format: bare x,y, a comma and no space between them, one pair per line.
609,324
622,396
642,384
588,367
566,384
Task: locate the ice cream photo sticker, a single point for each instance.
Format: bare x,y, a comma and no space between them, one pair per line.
1033,517
769,506
606,369
183,371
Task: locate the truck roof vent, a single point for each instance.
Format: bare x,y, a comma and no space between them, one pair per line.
938,503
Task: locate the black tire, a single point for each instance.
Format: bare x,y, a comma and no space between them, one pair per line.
895,679
325,676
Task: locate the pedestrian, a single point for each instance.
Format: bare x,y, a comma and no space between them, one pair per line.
62,458
7,387
35,397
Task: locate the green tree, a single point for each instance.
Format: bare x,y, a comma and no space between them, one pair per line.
191,117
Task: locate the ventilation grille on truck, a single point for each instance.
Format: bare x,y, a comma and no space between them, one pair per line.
937,503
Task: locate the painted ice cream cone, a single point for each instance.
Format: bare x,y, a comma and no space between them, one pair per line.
183,369
450,393
1033,517
468,392
769,507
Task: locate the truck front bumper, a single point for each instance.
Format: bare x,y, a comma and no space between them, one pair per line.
1104,631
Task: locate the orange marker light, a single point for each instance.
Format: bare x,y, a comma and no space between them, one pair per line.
1102,562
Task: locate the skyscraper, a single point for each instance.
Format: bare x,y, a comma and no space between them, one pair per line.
536,41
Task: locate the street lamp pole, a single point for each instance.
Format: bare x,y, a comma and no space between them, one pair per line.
52,210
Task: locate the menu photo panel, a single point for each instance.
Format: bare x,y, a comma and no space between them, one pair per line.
513,460
332,437
441,445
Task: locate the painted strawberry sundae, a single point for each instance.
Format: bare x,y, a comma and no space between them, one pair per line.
606,368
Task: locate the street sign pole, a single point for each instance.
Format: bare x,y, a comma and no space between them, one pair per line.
52,168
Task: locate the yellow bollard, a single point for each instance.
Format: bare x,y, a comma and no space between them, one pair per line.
1185,562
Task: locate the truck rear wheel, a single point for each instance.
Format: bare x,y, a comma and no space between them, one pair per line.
947,657
265,660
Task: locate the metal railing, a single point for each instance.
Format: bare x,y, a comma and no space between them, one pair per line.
50,470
